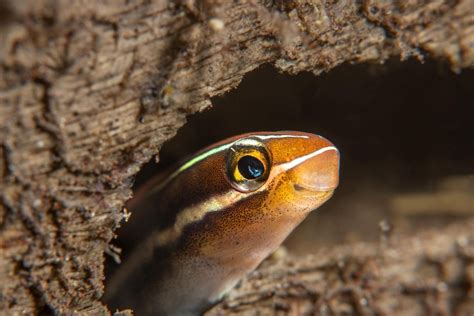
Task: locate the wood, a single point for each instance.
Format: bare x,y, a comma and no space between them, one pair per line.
90,90
428,274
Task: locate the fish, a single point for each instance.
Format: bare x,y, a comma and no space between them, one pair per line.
217,216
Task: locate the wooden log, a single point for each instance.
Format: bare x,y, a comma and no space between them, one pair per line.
90,90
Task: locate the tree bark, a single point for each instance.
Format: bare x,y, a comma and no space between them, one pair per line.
90,90
428,274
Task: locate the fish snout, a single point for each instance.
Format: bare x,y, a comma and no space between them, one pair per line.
318,171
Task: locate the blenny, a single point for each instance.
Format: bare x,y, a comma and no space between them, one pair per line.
218,216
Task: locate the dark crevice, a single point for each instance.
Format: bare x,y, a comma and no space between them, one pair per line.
7,164
48,124
7,14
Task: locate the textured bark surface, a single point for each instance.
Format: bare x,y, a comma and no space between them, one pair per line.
430,274
90,90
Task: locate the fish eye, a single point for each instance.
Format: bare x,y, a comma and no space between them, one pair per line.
250,167
247,164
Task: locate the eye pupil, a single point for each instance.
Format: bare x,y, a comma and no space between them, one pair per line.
250,167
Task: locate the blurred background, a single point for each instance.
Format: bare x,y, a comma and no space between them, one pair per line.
405,132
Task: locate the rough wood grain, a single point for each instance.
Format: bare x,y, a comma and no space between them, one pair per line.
90,90
428,274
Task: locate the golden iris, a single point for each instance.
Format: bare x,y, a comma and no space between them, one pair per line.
248,162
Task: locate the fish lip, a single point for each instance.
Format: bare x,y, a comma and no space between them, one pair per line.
301,187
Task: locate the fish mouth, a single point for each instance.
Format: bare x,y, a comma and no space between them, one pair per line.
317,173
319,193
319,189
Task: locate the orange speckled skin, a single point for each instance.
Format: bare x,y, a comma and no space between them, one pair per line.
207,234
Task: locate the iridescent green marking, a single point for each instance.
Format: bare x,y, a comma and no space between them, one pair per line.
189,164
201,157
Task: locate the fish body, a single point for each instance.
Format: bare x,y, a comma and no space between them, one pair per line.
218,216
